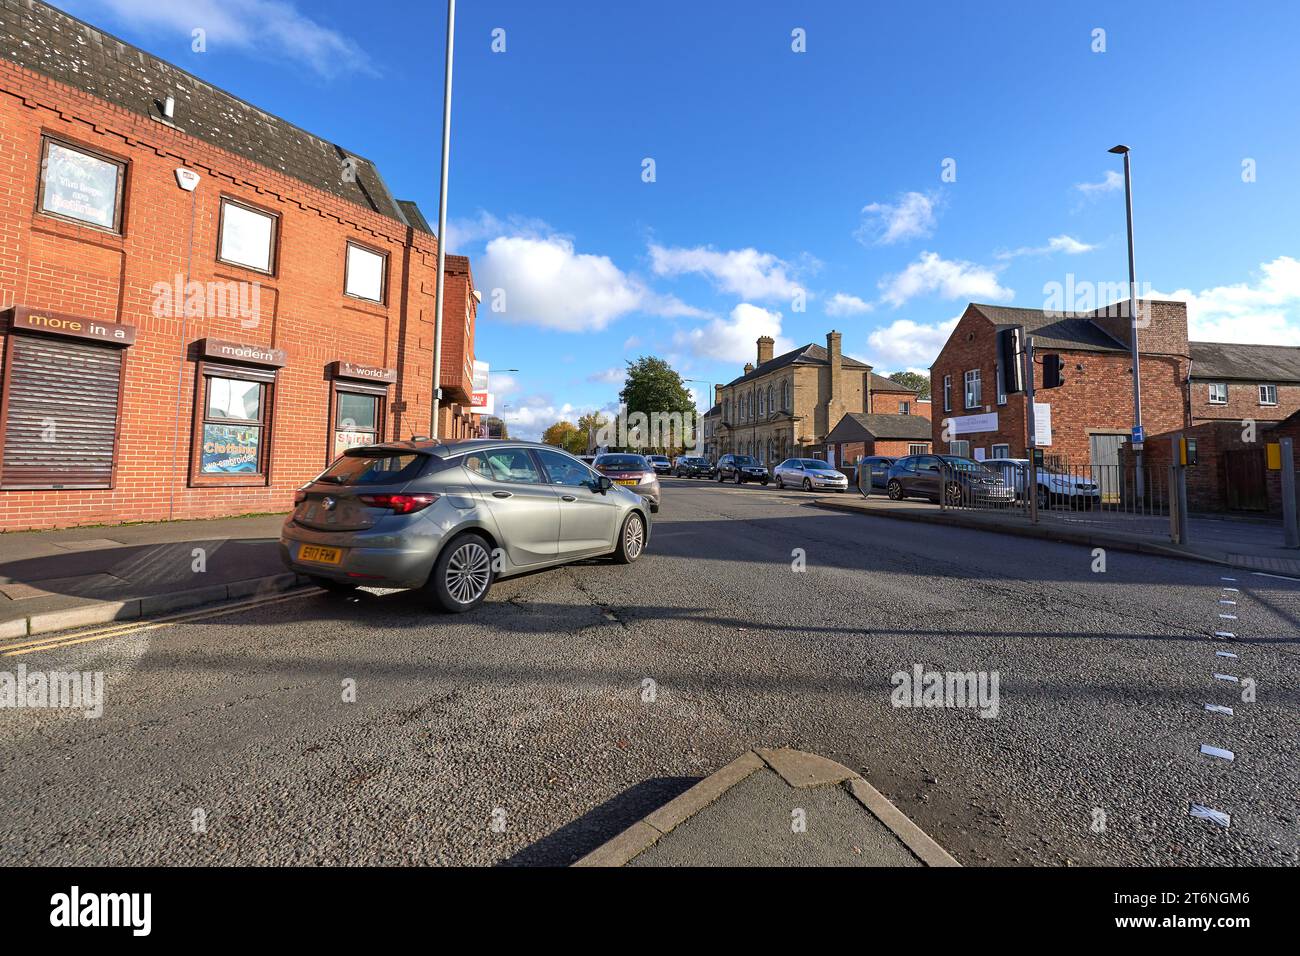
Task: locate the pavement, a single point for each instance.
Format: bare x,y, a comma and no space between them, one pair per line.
577,702
54,580
775,808
1248,543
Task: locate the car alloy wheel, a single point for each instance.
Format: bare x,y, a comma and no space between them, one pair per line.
807,484
779,483
895,490
631,540
739,480
954,493
469,572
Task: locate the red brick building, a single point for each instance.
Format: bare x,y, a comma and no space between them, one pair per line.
861,435
200,304
1091,414
1232,382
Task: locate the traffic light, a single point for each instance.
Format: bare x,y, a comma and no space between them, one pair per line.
1053,366
1011,364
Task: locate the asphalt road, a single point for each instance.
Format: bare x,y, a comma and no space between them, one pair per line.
526,732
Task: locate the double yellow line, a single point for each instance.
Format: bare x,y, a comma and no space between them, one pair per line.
53,641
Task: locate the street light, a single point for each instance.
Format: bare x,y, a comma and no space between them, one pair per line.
442,225
1133,320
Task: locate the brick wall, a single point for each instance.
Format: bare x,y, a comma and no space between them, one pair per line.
50,264
1243,402
1096,396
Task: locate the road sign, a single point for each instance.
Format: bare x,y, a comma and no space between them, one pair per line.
1139,434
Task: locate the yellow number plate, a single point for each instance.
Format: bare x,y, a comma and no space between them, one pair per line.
320,555
625,481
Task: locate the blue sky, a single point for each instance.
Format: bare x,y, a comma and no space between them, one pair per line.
780,173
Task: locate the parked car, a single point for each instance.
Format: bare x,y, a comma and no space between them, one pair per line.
449,519
632,471
661,464
968,480
1054,487
740,469
875,473
809,474
587,460
694,468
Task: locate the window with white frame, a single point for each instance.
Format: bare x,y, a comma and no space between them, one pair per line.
785,395
1268,394
974,390
961,448
947,393
918,449
904,408
762,410
1001,451
247,236
365,273
1218,393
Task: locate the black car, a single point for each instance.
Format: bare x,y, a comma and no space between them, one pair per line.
968,480
693,468
740,469
875,473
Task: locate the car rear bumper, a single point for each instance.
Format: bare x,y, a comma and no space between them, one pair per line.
380,557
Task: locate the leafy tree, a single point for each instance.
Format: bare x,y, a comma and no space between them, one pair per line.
591,424
652,388
567,436
913,380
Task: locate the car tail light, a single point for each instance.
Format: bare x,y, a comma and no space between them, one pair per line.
399,504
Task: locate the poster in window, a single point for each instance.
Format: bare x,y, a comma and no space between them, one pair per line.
230,450
80,187
343,440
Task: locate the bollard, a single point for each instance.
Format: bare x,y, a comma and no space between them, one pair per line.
1290,534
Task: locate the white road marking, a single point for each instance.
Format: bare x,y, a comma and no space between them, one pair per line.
1224,634
1228,579
1218,709
1227,677
1207,813
1233,590
1280,577
1225,601
1228,617
1217,752
1224,654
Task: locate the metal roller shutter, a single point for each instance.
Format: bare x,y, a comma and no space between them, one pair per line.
62,405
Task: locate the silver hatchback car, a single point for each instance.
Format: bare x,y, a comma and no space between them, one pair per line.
451,518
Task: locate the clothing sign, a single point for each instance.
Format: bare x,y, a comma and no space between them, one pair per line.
483,402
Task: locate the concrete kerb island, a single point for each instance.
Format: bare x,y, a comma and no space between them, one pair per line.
742,815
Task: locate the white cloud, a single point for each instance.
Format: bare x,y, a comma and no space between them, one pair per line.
500,384
463,234
528,417
950,279
908,344
1111,182
735,339
911,217
611,376
268,28
547,283
631,342
1066,244
745,272
841,303
1266,312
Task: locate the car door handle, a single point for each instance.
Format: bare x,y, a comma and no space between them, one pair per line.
503,494
568,498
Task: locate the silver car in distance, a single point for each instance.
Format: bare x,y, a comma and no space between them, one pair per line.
450,518
809,474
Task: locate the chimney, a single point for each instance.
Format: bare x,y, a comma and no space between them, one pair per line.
749,367
1162,325
835,400
717,394
765,345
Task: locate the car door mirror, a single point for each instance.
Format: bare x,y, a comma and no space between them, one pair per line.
602,484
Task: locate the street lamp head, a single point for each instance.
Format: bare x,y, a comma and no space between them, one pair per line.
1118,149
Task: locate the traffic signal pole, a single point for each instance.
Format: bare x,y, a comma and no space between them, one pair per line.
1031,444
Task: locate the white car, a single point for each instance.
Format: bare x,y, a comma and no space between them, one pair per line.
810,474
1053,486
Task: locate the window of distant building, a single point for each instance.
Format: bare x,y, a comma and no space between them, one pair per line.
1218,393
974,389
1001,451
960,448
917,449
1268,394
904,408
947,393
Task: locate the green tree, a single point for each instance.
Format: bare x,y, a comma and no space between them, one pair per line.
913,380
590,425
653,389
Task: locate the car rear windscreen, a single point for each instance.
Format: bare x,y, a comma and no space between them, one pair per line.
374,468
624,462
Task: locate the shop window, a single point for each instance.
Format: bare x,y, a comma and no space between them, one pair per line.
247,236
364,277
356,420
81,185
